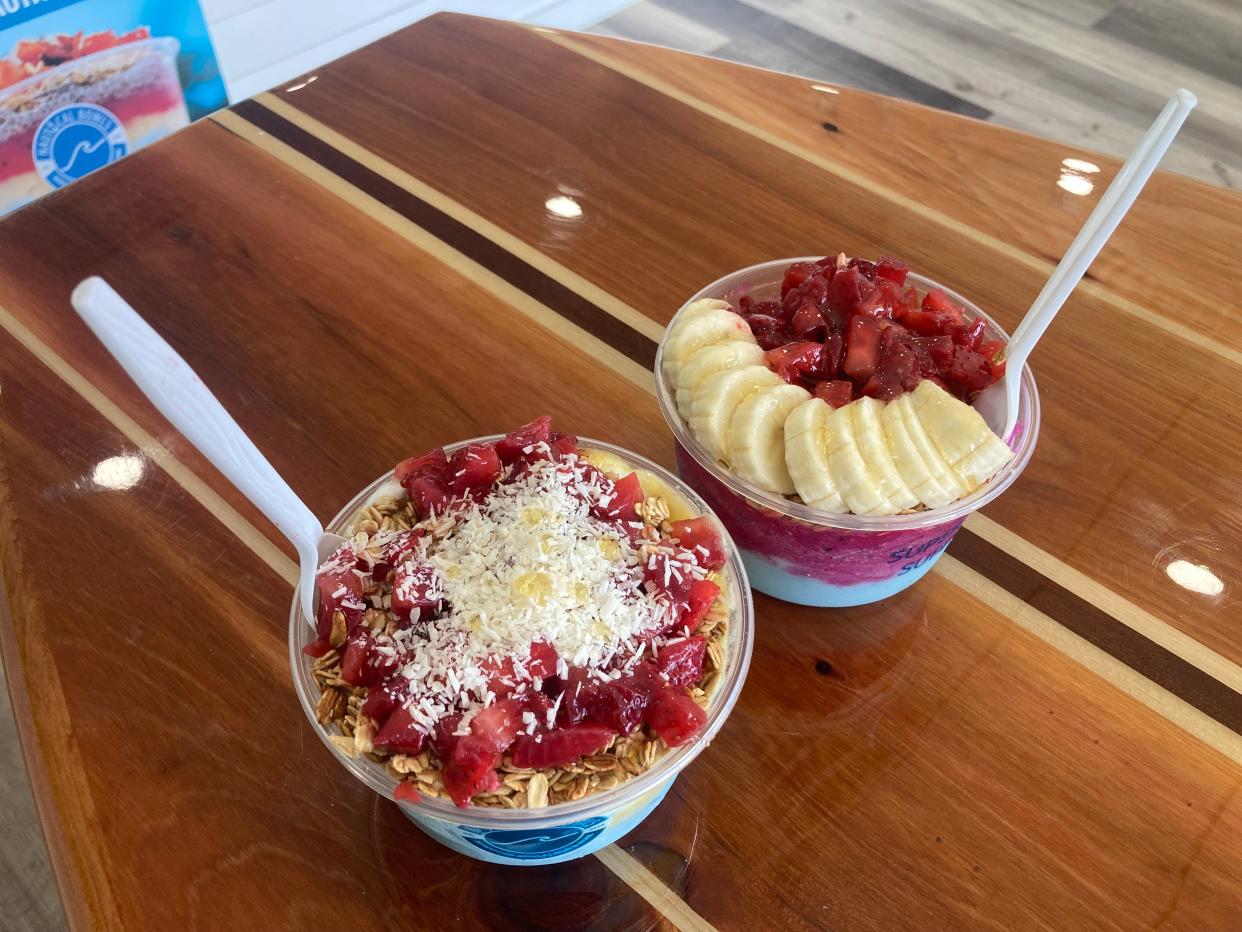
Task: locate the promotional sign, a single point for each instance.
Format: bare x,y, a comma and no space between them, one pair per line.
84,82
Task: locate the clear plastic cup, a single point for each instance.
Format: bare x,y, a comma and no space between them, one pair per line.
563,831
810,557
131,92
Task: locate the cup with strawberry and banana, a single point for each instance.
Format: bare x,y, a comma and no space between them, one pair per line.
523,641
822,408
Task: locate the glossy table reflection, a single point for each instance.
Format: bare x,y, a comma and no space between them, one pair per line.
471,223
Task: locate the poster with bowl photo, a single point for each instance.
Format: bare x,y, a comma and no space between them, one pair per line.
85,82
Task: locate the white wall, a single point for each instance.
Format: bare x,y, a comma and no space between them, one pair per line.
262,43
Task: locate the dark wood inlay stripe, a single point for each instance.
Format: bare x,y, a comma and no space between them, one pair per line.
1144,656
543,288
1093,624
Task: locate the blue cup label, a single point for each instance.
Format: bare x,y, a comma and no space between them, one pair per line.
535,843
75,140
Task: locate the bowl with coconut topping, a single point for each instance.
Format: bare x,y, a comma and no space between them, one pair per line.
523,641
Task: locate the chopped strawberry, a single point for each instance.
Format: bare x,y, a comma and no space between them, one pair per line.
396,551
429,494
897,364
406,793
862,348
845,293
682,663
340,588
513,446
317,648
675,717
837,393
443,738
432,463
968,372
560,747
471,769
667,574
365,661
766,323
562,444
866,268
540,705
399,734
992,350
702,596
926,323
701,536
572,711
795,360
619,503
499,723
473,468
382,699
795,275
416,592
619,704
808,323
543,660
970,335
943,306
893,269
834,351
97,42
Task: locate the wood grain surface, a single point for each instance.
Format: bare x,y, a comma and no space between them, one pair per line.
1044,733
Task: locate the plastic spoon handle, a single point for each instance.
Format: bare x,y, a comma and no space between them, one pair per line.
181,396
1109,212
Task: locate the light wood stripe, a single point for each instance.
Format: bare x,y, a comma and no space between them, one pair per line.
1102,664
653,890
472,271
1202,341
1091,591
506,240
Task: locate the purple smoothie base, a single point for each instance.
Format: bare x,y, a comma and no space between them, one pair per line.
836,556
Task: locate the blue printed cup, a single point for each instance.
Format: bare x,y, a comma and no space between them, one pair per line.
811,557
563,831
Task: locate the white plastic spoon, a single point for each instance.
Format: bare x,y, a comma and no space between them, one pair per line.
180,395
998,403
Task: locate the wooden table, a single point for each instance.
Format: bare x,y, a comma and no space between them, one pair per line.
471,223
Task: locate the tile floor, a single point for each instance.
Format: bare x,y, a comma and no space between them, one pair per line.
1091,72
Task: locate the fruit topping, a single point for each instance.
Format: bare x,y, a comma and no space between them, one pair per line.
561,747
846,307
675,717
700,536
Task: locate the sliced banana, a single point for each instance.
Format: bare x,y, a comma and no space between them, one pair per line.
756,443
702,306
960,433
859,486
984,463
917,458
869,435
806,456
688,335
718,396
711,359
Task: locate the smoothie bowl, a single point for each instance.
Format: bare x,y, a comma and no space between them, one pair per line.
821,407
524,640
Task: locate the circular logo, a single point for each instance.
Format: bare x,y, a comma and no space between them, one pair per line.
75,140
